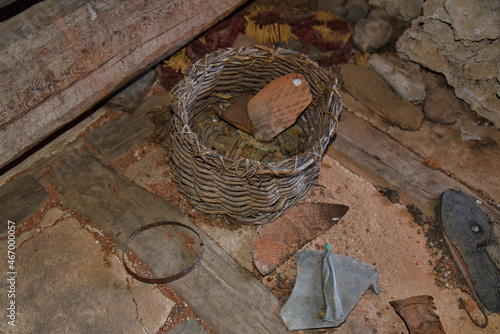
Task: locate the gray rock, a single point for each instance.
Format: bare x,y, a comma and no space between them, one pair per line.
465,51
403,76
441,106
334,6
371,35
433,80
404,9
27,235
355,10
469,132
379,13
482,19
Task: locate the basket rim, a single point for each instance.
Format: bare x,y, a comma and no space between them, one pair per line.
244,167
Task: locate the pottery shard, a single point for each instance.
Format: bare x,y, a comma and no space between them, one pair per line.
442,106
275,242
418,314
465,49
403,76
371,35
371,89
277,106
237,114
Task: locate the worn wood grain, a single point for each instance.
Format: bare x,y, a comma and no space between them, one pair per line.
220,291
129,96
60,58
19,199
120,135
372,154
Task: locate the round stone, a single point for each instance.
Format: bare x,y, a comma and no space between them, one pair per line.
441,106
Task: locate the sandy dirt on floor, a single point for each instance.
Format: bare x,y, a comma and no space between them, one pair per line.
374,230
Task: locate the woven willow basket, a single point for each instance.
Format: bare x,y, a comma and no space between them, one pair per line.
249,191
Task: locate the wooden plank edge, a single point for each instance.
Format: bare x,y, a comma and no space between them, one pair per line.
69,103
382,159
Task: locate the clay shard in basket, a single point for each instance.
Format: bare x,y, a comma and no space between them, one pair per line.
276,107
249,191
237,114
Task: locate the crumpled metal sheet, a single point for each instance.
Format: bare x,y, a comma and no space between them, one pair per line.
330,282
330,288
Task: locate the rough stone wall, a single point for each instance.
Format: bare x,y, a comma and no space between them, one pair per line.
405,9
460,39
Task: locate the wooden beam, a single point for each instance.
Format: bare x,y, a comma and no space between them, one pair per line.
219,290
61,57
373,155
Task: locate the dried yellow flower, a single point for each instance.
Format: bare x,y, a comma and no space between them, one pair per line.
332,35
325,16
361,59
179,61
266,34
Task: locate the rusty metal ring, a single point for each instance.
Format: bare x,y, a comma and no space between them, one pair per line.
165,279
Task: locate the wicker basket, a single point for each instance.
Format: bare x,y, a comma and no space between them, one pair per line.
249,191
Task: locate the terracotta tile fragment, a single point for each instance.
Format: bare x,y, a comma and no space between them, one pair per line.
276,242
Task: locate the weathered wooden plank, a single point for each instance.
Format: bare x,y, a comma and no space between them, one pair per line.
4,3
19,199
221,292
129,96
62,57
118,136
380,159
470,161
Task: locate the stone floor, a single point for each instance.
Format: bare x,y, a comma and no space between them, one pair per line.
69,277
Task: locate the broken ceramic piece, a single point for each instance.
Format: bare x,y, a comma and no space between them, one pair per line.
275,242
418,315
236,114
278,105
346,282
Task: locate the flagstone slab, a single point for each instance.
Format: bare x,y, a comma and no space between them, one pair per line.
190,326
215,289
63,286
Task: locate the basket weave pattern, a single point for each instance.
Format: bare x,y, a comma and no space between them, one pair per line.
248,190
